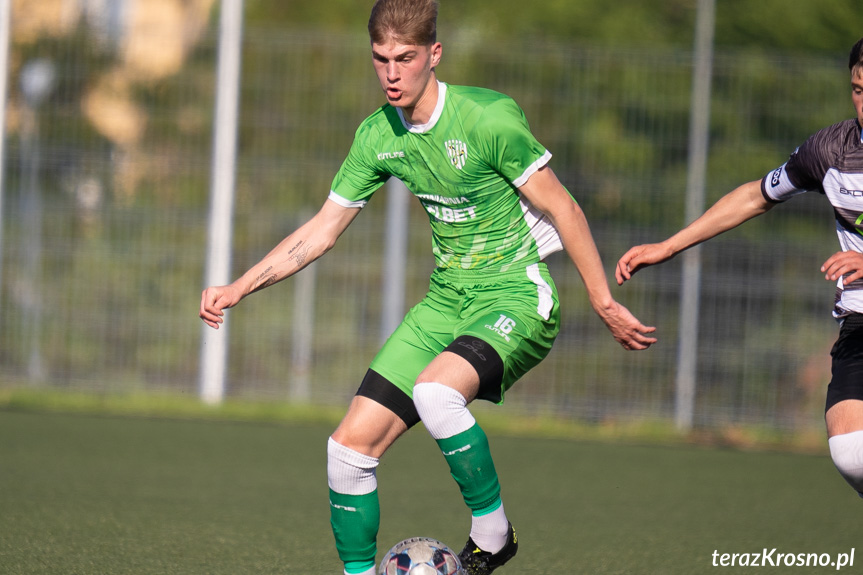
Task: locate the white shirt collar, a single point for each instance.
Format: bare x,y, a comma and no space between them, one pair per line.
438,110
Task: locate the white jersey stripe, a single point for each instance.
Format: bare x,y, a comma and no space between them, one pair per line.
541,229
543,291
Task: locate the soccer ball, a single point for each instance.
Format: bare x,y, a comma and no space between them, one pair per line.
420,556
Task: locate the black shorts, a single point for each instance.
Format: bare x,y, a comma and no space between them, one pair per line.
847,353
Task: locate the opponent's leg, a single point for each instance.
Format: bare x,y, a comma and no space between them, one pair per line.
844,405
845,438
353,453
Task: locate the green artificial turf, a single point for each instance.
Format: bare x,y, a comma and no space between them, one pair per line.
85,494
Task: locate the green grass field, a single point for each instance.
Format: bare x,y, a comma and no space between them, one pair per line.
84,494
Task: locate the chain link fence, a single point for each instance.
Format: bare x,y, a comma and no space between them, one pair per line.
105,193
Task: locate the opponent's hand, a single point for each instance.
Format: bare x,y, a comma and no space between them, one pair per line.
216,299
640,257
627,330
848,264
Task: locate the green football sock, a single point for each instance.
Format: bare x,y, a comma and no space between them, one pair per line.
470,464
355,520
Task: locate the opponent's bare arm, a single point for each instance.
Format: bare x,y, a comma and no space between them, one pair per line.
548,195
741,204
309,242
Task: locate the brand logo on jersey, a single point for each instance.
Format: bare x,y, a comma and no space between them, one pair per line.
450,215
457,152
774,181
391,155
503,326
852,193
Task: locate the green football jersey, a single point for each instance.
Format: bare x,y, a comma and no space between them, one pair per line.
465,166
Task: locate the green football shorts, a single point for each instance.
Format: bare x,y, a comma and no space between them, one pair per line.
516,313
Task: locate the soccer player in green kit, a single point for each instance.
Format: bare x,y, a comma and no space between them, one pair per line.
496,210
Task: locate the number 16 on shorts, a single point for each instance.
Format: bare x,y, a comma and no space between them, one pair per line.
503,326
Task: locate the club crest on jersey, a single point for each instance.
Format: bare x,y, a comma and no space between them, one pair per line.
457,152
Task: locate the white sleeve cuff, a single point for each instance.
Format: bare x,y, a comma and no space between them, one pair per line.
532,169
346,203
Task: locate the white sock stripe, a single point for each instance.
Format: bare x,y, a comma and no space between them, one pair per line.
849,446
846,450
350,456
350,472
490,531
442,409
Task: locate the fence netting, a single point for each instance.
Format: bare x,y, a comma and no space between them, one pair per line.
106,190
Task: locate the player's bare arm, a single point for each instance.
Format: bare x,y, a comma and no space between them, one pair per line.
309,242
847,265
548,195
741,204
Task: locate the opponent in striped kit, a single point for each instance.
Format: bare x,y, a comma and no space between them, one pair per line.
829,162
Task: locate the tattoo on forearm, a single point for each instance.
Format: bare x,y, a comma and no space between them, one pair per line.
266,278
293,249
301,255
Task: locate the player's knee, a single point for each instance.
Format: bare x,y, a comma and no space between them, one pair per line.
350,472
443,410
435,400
846,450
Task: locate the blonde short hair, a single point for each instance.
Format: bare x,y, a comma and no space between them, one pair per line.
408,21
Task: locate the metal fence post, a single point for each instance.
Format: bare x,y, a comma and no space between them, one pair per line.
214,343
395,257
697,167
5,40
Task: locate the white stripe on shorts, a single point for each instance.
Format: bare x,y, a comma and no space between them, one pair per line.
543,291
